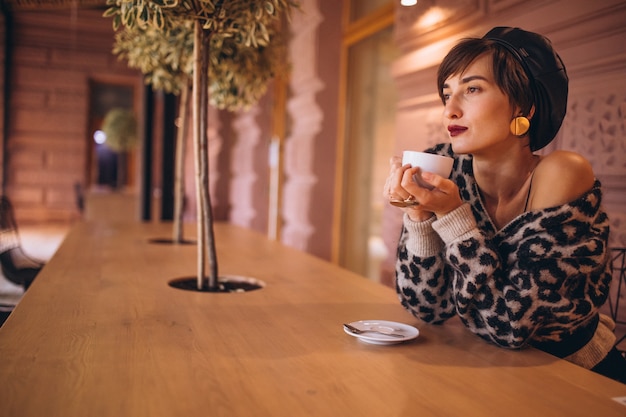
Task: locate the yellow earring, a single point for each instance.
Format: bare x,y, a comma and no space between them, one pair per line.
519,126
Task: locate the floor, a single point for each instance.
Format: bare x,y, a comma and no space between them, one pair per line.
42,241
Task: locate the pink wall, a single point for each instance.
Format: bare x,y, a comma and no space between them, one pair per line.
310,148
310,145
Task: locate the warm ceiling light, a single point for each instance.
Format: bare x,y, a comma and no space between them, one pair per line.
433,16
408,2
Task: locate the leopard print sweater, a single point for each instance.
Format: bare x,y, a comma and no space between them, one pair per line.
539,280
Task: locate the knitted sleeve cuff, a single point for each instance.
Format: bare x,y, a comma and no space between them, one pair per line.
422,240
600,344
456,224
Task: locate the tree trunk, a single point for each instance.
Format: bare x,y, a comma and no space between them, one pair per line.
122,170
206,238
179,170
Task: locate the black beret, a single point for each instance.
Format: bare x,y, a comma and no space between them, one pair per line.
547,75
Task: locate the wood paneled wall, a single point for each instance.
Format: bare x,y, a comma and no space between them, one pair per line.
54,55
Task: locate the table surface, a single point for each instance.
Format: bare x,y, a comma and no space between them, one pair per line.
101,333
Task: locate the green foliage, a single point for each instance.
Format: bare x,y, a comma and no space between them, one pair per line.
120,127
239,74
245,20
245,49
164,57
238,71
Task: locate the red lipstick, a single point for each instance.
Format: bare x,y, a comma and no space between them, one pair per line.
455,130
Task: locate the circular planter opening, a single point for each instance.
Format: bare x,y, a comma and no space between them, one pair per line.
226,284
169,241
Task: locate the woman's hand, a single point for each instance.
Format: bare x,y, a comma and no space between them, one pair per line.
395,191
440,200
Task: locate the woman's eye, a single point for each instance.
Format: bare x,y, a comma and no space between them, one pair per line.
472,89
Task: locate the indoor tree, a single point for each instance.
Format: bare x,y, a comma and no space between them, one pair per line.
222,30
165,59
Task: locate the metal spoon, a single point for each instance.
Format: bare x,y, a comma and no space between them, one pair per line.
354,330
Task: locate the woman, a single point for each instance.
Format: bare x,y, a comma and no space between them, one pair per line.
513,243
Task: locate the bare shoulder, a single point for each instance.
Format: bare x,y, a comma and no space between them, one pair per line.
560,177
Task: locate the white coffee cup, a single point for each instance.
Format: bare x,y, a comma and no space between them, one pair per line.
428,162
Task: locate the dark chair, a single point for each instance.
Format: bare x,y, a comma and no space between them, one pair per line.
16,266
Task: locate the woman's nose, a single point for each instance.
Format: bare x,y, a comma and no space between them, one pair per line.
452,110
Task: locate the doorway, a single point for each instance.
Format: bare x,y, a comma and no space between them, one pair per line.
106,167
110,190
367,135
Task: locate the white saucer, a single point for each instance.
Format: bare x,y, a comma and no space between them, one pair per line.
408,332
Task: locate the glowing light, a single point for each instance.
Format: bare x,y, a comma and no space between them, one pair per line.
99,137
408,2
432,17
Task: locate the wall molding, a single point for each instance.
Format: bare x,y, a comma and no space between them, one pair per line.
306,117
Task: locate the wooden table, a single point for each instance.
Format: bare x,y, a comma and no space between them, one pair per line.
100,333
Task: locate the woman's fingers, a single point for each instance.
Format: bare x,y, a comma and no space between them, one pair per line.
437,194
408,181
430,194
393,189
